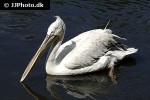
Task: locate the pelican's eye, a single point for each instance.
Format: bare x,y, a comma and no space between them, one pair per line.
52,31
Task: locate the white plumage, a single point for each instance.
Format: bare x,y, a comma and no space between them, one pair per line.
88,52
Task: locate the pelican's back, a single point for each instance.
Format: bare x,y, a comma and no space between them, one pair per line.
86,48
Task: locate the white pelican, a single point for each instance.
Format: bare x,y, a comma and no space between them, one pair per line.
88,52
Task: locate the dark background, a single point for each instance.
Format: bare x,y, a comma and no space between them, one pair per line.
21,33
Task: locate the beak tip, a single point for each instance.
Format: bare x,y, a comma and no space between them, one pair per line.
21,80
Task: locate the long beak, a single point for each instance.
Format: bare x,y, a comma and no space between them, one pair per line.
49,39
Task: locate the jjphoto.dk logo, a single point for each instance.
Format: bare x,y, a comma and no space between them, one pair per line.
39,4
25,5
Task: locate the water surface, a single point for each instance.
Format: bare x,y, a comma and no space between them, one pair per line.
21,32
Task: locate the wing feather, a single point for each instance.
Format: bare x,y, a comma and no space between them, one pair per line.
86,48
64,50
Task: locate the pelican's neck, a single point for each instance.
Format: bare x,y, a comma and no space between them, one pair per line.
53,50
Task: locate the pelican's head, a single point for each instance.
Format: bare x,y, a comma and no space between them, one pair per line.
57,27
55,33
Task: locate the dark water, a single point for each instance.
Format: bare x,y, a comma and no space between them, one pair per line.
21,32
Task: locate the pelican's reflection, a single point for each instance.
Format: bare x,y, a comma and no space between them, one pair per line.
83,86
33,93
78,86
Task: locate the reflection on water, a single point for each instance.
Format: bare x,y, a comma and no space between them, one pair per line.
78,86
33,93
86,86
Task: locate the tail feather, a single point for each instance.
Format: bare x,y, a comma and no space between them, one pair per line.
131,51
120,54
119,37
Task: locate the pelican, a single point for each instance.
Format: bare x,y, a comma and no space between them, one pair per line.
90,51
